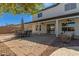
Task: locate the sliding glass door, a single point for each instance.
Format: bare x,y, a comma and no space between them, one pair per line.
51,28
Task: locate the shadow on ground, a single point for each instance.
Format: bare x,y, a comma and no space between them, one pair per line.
50,40
73,44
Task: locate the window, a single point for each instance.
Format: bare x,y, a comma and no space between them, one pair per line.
36,27
70,6
39,15
69,26
68,29
39,27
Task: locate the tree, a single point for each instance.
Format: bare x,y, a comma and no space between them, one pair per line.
17,8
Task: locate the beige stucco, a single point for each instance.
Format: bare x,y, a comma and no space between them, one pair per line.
58,27
43,26
77,27
28,26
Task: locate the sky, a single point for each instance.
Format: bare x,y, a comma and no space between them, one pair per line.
8,18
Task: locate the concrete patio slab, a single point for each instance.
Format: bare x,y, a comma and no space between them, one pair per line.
67,51
23,47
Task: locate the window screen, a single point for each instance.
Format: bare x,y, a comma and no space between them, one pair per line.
70,6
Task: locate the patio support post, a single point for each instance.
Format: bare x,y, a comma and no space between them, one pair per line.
56,28
38,27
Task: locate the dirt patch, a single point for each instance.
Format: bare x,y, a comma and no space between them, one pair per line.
49,50
5,51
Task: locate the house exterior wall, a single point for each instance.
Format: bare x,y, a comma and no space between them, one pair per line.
77,27
55,11
28,26
59,27
43,26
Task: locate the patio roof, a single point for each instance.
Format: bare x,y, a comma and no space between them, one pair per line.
52,6
57,17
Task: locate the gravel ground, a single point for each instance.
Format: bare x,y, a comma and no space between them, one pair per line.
49,50
5,51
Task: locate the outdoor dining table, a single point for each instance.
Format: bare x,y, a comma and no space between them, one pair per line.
26,33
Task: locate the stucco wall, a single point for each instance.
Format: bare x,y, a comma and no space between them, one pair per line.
77,27
43,26
28,26
59,27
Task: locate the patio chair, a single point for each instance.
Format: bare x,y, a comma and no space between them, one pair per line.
21,34
65,38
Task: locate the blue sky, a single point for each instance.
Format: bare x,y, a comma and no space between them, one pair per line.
8,18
